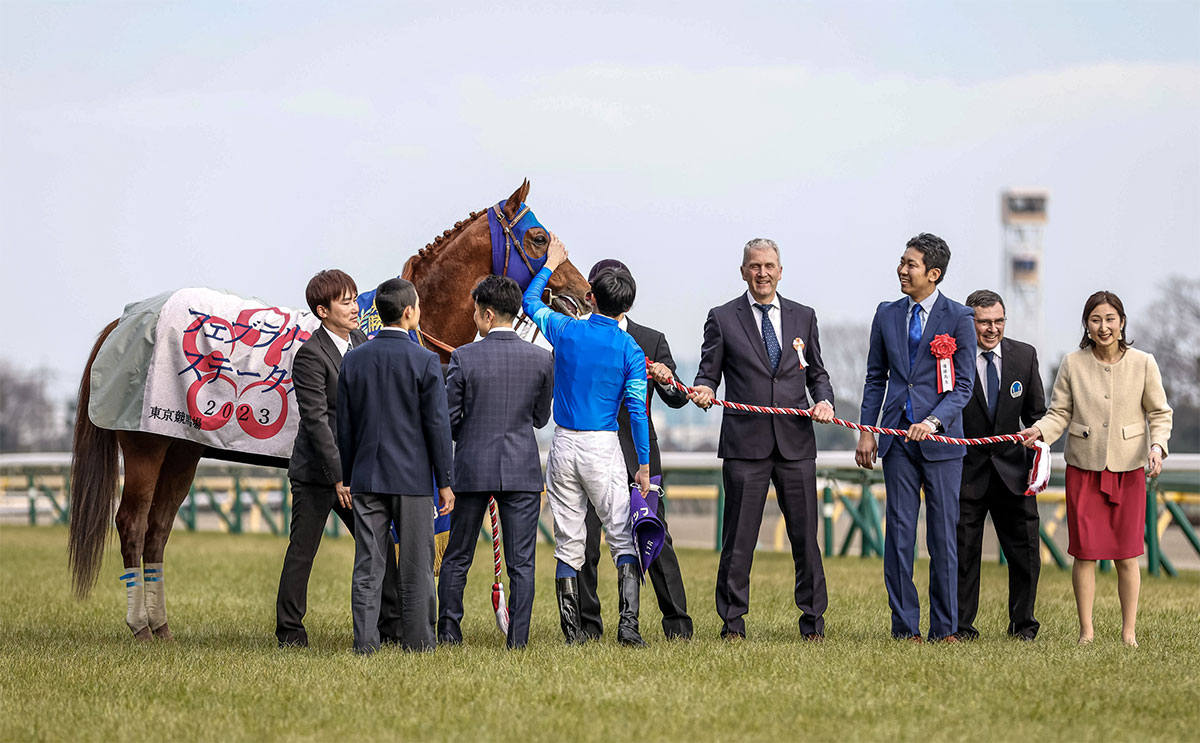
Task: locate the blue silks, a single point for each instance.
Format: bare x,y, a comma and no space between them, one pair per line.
368,317
504,249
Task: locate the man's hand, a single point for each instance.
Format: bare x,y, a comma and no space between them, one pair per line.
642,478
864,453
702,396
556,254
1155,465
445,500
343,495
918,432
661,373
822,412
1032,435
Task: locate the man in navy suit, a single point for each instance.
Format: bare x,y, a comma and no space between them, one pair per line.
768,351
393,431
923,396
499,390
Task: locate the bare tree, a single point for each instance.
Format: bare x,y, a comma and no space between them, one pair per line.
29,419
1171,331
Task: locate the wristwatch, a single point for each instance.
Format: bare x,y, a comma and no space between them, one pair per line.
933,423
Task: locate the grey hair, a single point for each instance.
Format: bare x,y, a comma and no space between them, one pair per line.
985,298
760,242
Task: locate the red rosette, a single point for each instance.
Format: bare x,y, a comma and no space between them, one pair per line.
943,346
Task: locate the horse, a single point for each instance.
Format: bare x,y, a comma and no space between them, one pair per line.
159,469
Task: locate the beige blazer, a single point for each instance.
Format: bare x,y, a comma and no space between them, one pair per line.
1105,408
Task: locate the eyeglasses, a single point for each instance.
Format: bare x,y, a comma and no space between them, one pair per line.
992,323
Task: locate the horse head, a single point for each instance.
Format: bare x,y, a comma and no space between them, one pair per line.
567,287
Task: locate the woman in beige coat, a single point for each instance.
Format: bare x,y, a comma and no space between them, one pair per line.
1104,395
1103,399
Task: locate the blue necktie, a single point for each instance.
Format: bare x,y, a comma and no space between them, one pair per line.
914,344
769,338
993,383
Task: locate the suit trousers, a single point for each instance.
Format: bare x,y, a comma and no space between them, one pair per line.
1015,517
746,483
905,472
665,577
373,517
311,504
519,522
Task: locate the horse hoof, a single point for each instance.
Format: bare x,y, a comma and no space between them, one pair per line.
164,633
143,635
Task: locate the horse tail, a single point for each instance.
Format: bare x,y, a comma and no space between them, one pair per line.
94,477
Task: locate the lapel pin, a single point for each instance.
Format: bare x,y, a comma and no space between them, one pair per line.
1016,389
798,344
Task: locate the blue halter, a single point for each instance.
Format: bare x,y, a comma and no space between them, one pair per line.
508,244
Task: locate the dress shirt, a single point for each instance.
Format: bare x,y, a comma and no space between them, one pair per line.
773,313
342,344
502,329
926,305
981,366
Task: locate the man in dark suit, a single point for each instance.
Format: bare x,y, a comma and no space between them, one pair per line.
1008,397
498,390
924,394
393,431
664,571
767,349
315,469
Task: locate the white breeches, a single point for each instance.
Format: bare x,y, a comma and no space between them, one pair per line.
583,466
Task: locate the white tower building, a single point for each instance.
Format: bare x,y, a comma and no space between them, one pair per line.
1023,216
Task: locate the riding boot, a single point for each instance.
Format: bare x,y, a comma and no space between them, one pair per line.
628,588
567,591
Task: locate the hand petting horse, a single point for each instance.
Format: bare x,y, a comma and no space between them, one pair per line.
160,463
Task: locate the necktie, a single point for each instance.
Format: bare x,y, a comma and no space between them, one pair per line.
993,383
914,344
770,340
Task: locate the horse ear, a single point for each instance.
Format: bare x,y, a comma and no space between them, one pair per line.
514,202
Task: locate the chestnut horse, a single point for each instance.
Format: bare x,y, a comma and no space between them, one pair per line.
159,470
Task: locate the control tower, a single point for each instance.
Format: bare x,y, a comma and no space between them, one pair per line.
1023,216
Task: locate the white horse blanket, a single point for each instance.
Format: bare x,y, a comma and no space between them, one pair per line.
203,365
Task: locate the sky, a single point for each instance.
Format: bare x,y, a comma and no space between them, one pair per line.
247,145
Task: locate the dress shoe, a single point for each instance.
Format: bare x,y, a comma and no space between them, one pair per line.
813,637
947,640
733,637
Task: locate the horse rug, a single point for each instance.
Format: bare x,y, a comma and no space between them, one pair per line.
204,365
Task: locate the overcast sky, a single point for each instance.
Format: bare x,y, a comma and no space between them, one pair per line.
147,146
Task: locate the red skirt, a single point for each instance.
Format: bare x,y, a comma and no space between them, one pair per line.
1106,513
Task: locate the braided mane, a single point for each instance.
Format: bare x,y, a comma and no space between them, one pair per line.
438,242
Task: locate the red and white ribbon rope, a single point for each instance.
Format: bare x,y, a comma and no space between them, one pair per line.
1002,438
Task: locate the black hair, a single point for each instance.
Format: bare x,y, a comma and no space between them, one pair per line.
392,298
1094,301
614,291
985,298
500,294
935,251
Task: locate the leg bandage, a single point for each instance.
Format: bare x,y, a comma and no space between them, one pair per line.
135,600
156,595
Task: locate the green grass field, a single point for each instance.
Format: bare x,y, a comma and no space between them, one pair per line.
71,670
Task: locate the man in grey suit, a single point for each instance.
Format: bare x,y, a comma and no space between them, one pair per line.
392,433
498,390
315,469
766,347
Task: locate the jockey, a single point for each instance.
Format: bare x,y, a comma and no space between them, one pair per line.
596,366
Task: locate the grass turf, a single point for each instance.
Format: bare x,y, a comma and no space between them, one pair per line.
71,670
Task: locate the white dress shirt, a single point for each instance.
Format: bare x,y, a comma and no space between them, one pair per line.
981,366
342,344
773,314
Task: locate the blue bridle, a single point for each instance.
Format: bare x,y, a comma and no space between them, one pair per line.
508,244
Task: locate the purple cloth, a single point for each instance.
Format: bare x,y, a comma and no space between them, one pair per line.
648,529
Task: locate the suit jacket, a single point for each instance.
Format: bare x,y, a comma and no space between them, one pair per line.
392,422
315,370
654,344
733,348
887,367
498,390
1022,401
1105,408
